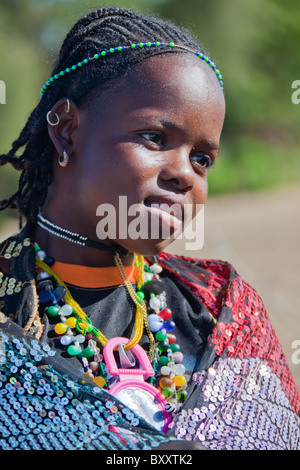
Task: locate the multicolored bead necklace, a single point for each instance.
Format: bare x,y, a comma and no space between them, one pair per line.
86,342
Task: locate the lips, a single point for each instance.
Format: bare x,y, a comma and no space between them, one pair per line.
167,213
172,206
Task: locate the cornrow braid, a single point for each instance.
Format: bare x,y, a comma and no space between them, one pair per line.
99,30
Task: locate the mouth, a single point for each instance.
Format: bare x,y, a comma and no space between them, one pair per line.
166,211
170,205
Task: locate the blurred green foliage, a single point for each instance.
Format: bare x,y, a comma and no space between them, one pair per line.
255,43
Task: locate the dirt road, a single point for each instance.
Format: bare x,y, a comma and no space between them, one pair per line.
259,234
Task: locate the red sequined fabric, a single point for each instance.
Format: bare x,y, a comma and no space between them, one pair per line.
249,380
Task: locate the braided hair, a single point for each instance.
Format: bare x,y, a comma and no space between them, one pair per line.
100,29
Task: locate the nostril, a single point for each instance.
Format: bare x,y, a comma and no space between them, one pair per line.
178,176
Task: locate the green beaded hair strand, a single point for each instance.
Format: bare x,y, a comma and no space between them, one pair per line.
123,48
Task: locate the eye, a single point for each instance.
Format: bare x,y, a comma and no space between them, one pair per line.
154,137
203,160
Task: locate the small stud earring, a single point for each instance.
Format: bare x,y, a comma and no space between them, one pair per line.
63,160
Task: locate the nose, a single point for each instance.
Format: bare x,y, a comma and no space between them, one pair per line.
178,171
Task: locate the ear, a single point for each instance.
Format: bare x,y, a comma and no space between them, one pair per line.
65,117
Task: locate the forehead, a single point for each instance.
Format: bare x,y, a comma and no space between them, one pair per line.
185,73
177,84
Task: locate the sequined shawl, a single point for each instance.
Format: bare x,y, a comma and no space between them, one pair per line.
242,396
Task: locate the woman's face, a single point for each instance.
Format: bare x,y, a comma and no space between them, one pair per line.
150,140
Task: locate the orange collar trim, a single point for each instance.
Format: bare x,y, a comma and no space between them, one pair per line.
85,276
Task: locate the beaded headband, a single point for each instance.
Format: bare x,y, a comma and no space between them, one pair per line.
123,48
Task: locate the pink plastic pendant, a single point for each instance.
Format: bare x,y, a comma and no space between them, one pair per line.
131,388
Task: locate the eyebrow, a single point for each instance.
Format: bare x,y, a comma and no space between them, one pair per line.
166,123
210,144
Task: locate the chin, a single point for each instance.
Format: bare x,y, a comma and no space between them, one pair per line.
146,247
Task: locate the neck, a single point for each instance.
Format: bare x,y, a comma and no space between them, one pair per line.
65,251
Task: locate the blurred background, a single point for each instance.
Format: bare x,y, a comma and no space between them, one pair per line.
252,215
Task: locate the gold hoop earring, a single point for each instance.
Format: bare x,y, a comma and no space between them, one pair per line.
63,160
67,106
53,124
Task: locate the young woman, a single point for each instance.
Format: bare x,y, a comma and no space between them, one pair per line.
108,342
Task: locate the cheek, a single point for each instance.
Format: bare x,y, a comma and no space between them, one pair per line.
131,170
113,172
200,193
